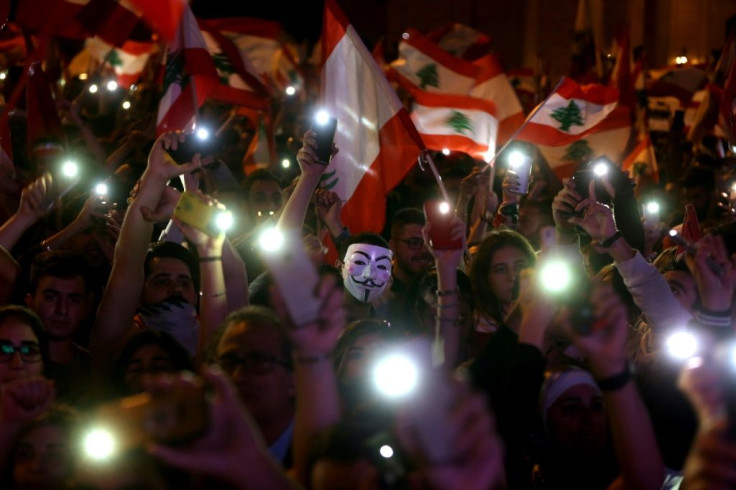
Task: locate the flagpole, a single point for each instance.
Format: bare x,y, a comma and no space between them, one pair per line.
428,158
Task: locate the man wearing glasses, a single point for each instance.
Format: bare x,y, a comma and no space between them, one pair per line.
253,349
411,256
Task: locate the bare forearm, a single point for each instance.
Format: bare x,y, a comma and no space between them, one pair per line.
295,209
213,306
448,312
236,278
13,229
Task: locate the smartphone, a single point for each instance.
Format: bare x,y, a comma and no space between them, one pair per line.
439,217
650,210
594,170
520,164
294,274
175,417
193,211
202,142
325,129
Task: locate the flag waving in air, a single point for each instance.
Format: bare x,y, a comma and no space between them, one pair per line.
377,140
493,85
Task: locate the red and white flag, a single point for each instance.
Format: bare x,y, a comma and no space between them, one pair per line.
642,162
493,85
608,138
164,16
189,78
377,140
456,123
425,66
461,41
128,61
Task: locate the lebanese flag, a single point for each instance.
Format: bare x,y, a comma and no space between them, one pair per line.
377,140
621,77
461,41
165,16
111,20
493,85
608,138
189,79
642,161
128,61
237,85
261,46
569,113
457,123
422,65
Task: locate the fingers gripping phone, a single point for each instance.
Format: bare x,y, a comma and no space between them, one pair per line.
325,127
195,212
200,141
439,217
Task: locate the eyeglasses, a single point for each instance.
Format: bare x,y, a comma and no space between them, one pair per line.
254,363
414,243
29,351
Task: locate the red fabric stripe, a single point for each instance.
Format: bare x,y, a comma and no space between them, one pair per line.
444,58
109,20
507,127
454,142
179,113
595,93
431,99
163,15
249,26
334,25
137,48
631,157
489,68
125,80
237,96
543,134
366,208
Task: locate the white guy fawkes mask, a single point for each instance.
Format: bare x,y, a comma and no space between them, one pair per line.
366,271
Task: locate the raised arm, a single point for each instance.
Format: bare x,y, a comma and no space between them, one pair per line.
34,203
123,291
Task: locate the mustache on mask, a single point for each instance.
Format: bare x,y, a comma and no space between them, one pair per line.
368,283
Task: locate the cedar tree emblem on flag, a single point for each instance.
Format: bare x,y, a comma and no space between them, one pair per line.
568,116
428,76
460,123
175,70
224,66
578,151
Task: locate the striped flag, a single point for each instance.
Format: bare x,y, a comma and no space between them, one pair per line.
377,140
189,78
642,162
425,66
165,16
128,61
456,123
493,85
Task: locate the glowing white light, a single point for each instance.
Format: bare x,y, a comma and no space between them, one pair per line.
555,276
652,207
405,35
444,208
733,148
290,90
395,376
285,163
600,169
70,169
386,451
202,133
271,240
133,87
322,117
112,86
488,156
516,159
3,75
83,76
224,220
93,88
682,345
101,189
673,232
445,151
126,105
99,444
681,60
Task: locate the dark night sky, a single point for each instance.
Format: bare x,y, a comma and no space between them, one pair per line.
302,19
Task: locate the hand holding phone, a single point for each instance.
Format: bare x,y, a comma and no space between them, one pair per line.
439,216
194,211
200,141
324,126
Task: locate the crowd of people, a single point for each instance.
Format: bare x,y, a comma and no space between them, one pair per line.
555,338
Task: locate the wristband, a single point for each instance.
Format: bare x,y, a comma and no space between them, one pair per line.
617,381
610,240
212,295
446,292
214,258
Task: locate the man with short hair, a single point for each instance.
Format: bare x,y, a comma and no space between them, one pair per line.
253,349
411,255
60,293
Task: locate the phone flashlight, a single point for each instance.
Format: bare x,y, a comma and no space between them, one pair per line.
271,240
70,169
386,451
99,444
112,86
600,169
520,164
224,220
555,276
325,127
651,212
290,90
101,189
322,117
444,207
395,376
202,133
682,345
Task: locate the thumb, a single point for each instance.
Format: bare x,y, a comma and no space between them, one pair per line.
591,190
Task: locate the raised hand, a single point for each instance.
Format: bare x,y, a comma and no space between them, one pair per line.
307,155
22,400
165,207
564,204
207,245
457,233
510,181
328,207
36,198
161,163
597,220
716,290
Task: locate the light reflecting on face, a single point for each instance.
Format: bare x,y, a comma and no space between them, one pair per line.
366,271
